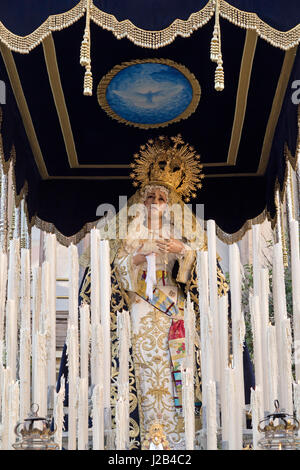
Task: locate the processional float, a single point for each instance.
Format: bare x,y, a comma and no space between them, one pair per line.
64,153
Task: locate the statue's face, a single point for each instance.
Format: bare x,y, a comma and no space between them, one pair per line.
156,201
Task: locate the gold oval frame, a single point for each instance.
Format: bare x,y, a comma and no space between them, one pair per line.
191,108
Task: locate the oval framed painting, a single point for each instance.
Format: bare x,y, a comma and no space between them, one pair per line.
149,93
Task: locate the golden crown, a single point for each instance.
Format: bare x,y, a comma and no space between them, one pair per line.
168,162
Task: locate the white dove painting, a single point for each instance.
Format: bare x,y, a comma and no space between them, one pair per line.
149,93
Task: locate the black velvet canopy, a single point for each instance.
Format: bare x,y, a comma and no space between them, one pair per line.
73,155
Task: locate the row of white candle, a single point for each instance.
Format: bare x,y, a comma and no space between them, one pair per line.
272,344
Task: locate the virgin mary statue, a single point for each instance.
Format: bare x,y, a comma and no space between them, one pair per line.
153,244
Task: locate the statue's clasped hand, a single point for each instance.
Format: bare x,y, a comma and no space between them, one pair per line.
170,246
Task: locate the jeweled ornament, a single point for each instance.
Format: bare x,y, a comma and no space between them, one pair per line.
280,430
34,433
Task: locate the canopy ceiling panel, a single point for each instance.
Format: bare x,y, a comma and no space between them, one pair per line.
72,152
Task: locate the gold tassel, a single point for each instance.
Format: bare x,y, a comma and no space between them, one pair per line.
215,46
219,76
85,53
88,82
85,50
216,52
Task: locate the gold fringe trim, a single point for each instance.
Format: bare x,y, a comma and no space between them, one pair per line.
24,44
151,39
282,39
49,227
185,28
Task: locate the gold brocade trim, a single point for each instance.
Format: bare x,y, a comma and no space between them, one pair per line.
281,39
105,81
24,44
185,28
49,227
151,39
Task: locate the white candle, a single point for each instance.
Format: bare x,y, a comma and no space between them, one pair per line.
256,259
188,407
6,380
123,331
280,313
211,416
25,339
83,414
36,314
105,294
59,412
13,270
213,294
85,336
50,252
39,359
295,265
36,298
189,325
95,277
297,400
224,359
11,336
257,414
121,423
3,287
206,328
272,367
257,346
73,353
73,285
97,354
24,372
264,315
287,404
98,417
13,411
231,403
238,335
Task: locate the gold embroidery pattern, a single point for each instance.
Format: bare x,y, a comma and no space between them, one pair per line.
223,287
118,300
118,303
152,362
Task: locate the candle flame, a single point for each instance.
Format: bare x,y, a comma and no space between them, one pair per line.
280,446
